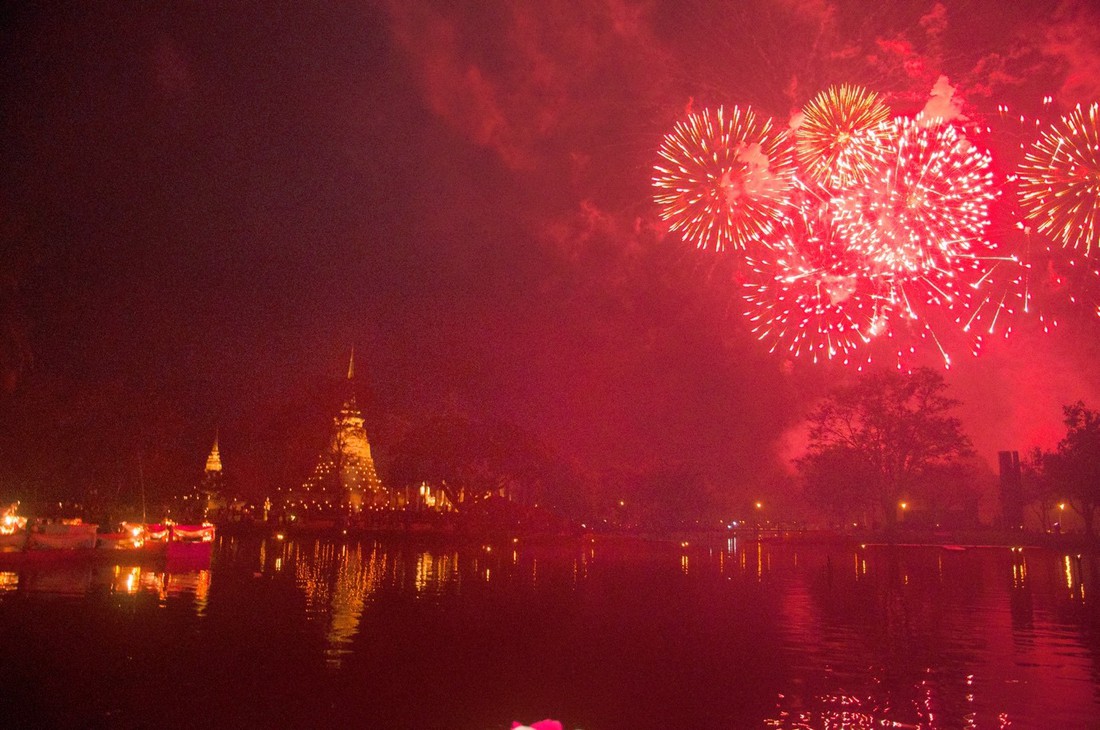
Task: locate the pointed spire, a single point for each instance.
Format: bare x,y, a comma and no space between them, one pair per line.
351,364
214,461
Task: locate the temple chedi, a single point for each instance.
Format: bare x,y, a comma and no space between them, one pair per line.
213,462
344,478
208,499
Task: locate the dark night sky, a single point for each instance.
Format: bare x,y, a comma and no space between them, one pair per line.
206,204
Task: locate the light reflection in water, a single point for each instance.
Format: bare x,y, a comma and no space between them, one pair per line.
82,578
339,581
933,595
133,580
897,638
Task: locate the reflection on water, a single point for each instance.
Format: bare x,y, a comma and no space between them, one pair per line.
931,638
603,633
79,578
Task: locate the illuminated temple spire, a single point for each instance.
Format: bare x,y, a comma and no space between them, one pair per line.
214,461
345,476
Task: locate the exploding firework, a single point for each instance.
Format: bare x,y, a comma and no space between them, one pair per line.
840,138
1031,278
1060,180
932,308
925,206
812,295
724,178
896,239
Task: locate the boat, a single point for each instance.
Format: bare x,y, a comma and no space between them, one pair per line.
75,540
166,539
13,529
13,541
48,542
62,535
190,541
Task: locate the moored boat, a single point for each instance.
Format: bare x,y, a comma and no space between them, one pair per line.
62,535
160,540
13,541
75,540
190,541
13,530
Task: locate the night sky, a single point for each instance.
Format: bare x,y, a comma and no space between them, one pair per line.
205,206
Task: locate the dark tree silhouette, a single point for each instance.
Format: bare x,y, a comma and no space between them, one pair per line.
1040,490
1075,463
838,481
881,439
475,461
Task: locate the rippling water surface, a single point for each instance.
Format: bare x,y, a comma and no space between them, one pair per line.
601,634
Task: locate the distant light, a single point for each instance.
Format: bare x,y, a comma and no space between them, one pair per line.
759,505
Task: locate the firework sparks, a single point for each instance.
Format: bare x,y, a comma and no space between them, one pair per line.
1032,278
1060,180
724,178
896,238
812,296
841,135
925,206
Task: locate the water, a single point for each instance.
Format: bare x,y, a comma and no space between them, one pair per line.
602,635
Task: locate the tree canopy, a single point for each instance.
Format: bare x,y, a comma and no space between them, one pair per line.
1074,465
887,436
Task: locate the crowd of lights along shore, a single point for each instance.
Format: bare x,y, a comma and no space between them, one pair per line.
859,228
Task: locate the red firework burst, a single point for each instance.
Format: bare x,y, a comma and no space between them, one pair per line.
1060,180
841,137
811,295
1031,277
724,178
925,206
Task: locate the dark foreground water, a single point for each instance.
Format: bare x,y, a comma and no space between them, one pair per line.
601,635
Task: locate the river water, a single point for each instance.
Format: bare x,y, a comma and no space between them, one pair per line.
601,634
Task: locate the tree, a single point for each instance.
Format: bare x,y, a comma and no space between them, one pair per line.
1075,463
477,460
882,438
1040,490
838,481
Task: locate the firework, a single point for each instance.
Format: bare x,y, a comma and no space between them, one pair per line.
895,238
812,295
1031,278
840,137
932,308
724,178
1060,180
924,206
